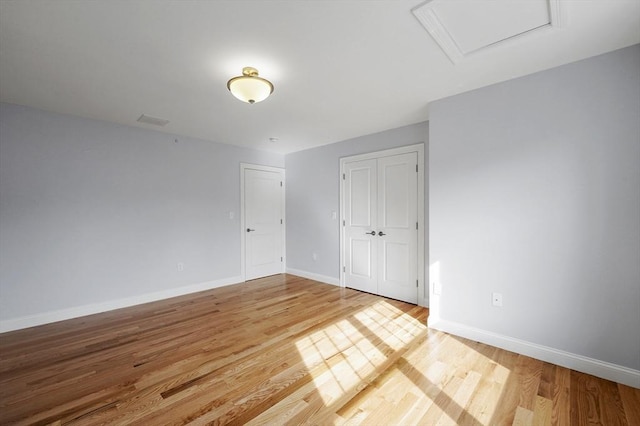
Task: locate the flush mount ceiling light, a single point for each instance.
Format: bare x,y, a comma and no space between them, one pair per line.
250,88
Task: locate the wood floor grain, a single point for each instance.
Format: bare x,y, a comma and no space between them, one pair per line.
286,350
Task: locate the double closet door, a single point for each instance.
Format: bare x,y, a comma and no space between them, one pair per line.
380,220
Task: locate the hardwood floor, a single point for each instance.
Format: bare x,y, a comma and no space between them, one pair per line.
286,350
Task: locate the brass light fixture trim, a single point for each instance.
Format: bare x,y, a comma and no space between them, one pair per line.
250,87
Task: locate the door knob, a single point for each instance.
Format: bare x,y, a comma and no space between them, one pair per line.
250,230
371,233
381,233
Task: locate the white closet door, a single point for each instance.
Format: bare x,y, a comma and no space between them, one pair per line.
380,214
397,219
360,213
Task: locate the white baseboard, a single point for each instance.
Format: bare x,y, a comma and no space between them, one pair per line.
95,308
313,276
605,370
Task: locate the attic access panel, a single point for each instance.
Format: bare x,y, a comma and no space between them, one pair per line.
463,27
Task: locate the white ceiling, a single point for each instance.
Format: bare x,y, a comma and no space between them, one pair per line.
341,69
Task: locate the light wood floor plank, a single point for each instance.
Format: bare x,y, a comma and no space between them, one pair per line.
631,403
285,350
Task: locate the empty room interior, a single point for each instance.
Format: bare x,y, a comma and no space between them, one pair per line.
320,212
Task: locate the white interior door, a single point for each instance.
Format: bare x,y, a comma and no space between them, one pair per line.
360,212
397,230
263,222
380,226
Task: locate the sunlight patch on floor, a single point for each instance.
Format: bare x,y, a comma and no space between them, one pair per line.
340,356
379,366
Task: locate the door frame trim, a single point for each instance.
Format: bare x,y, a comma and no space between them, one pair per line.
248,166
419,149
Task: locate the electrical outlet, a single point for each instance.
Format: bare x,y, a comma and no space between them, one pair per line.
437,288
496,299
314,256
180,266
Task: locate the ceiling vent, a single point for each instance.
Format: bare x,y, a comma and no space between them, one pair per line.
147,119
465,27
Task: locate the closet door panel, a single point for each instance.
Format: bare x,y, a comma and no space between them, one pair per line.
361,193
397,232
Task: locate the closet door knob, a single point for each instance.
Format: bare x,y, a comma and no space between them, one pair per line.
250,230
371,233
381,233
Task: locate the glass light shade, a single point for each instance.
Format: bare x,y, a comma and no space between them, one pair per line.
249,87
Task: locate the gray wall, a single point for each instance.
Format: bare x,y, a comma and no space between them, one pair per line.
92,211
535,193
313,193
